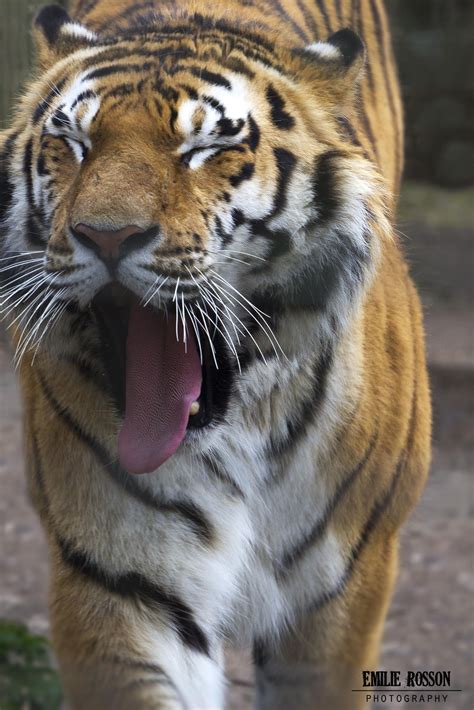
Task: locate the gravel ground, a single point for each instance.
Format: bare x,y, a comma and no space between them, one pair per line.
431,621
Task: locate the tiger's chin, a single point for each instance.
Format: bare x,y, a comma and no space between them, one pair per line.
170,375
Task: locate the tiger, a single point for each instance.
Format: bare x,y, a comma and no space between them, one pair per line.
219,346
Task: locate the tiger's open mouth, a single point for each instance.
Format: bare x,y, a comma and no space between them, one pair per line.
166,380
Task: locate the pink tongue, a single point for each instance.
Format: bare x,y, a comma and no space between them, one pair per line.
162,382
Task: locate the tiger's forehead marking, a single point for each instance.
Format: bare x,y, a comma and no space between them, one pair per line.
200,120
75,109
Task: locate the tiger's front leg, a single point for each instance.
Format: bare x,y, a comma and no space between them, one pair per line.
114,652
317,664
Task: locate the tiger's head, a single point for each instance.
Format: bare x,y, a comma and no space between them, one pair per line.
161,185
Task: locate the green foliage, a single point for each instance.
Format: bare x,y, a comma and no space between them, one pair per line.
27,680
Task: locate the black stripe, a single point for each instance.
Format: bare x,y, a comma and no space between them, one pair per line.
307,411
167,92
253,138
190,91
290,20
135,586
325,184
228,127
225,237
367,127
214,103
237,65
286,162
293,556
211,77
338,8
60,119
251,53
327,22
370,61
85,8
118,69
238,217
88,372
118,92
348,130
309,19
245,173
34,234
44,105
217,469
193,516
370,74
38,472
89,94
280,118
173,118
41,162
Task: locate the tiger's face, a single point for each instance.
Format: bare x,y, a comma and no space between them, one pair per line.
165,184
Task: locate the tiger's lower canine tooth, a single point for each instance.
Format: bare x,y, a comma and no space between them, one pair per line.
195,407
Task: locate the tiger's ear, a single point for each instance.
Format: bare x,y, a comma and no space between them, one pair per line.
56,35
337,62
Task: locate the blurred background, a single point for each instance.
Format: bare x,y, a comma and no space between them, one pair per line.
431,621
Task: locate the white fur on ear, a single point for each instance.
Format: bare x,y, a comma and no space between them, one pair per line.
74,29
345,47
324,50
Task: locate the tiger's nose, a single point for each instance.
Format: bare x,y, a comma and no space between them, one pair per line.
112,244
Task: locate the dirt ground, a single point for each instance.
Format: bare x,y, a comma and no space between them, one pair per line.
431,620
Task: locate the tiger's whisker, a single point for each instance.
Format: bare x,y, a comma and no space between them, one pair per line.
249,333
257,317
262,324
190,312
183,316
16,265
52,322
14,255
27,338
203,290
27,295
211,344
24,314
220,320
